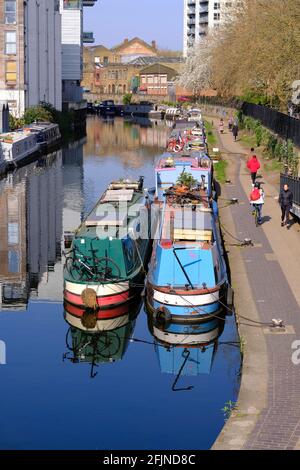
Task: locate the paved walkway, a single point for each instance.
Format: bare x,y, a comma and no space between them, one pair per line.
268,412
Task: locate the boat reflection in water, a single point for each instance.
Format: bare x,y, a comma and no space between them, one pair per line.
186,349
94,340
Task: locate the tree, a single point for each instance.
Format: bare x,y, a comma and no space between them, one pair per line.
37,113
255,53
127,98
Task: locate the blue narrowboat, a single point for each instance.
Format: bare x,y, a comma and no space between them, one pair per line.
187,275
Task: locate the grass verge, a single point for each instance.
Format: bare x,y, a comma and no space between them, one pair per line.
211,138
220,171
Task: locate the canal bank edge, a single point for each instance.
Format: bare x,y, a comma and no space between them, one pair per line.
252,397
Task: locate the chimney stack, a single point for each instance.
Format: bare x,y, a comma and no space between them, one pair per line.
154,44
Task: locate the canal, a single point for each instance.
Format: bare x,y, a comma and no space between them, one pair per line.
133,390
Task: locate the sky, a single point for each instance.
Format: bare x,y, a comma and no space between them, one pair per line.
114,20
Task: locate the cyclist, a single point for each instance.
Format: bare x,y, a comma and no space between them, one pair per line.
257,200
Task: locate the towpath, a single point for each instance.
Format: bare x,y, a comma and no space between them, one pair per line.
266,280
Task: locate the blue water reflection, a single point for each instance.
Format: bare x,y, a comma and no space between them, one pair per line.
50,402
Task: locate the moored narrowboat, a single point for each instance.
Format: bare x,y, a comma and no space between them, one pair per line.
107,257
187,275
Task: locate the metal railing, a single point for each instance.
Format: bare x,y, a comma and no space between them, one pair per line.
282,124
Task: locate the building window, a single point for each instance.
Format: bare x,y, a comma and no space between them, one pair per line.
10,42
13,233
10,11
11,71
71,4
216,16
13,262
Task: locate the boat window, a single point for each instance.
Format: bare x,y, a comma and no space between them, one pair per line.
130,254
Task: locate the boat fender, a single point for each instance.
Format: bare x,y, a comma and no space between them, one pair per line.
162,315
89,298
229,298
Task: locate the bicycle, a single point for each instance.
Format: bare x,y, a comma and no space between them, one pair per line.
256,213
89,268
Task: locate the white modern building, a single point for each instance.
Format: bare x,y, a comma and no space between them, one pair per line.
202,15
43,65
73,38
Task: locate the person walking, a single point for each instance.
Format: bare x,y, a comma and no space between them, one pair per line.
230,123
257,200
221,126
235,130
253,165
286,203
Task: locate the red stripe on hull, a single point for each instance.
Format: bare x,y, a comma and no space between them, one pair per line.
107,301
77,311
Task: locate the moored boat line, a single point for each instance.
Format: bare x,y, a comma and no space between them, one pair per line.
187,277
16,148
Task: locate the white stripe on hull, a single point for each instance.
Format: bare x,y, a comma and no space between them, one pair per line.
101,289
182,339
102,325
186,301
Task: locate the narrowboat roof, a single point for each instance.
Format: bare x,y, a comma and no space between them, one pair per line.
112,208
197,160
15,136
185,124
41,126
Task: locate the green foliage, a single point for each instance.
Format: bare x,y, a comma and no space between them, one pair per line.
254,96
211,138
280,151
271,145
220,169
127,98
274,147
37,113
240,117
186,179
15,123
258,134
229,407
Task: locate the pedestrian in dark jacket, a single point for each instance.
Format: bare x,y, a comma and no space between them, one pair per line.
235,130
286,203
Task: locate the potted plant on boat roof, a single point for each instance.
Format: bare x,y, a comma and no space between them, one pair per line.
8,139
186,181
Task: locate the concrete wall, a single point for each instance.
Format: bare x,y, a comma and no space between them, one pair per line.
43,67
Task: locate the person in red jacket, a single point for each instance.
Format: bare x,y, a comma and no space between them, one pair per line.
253,165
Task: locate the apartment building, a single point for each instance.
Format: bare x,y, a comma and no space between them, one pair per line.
202,15
72,39
12,55
30,53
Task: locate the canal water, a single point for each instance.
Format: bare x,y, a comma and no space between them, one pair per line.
135,391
